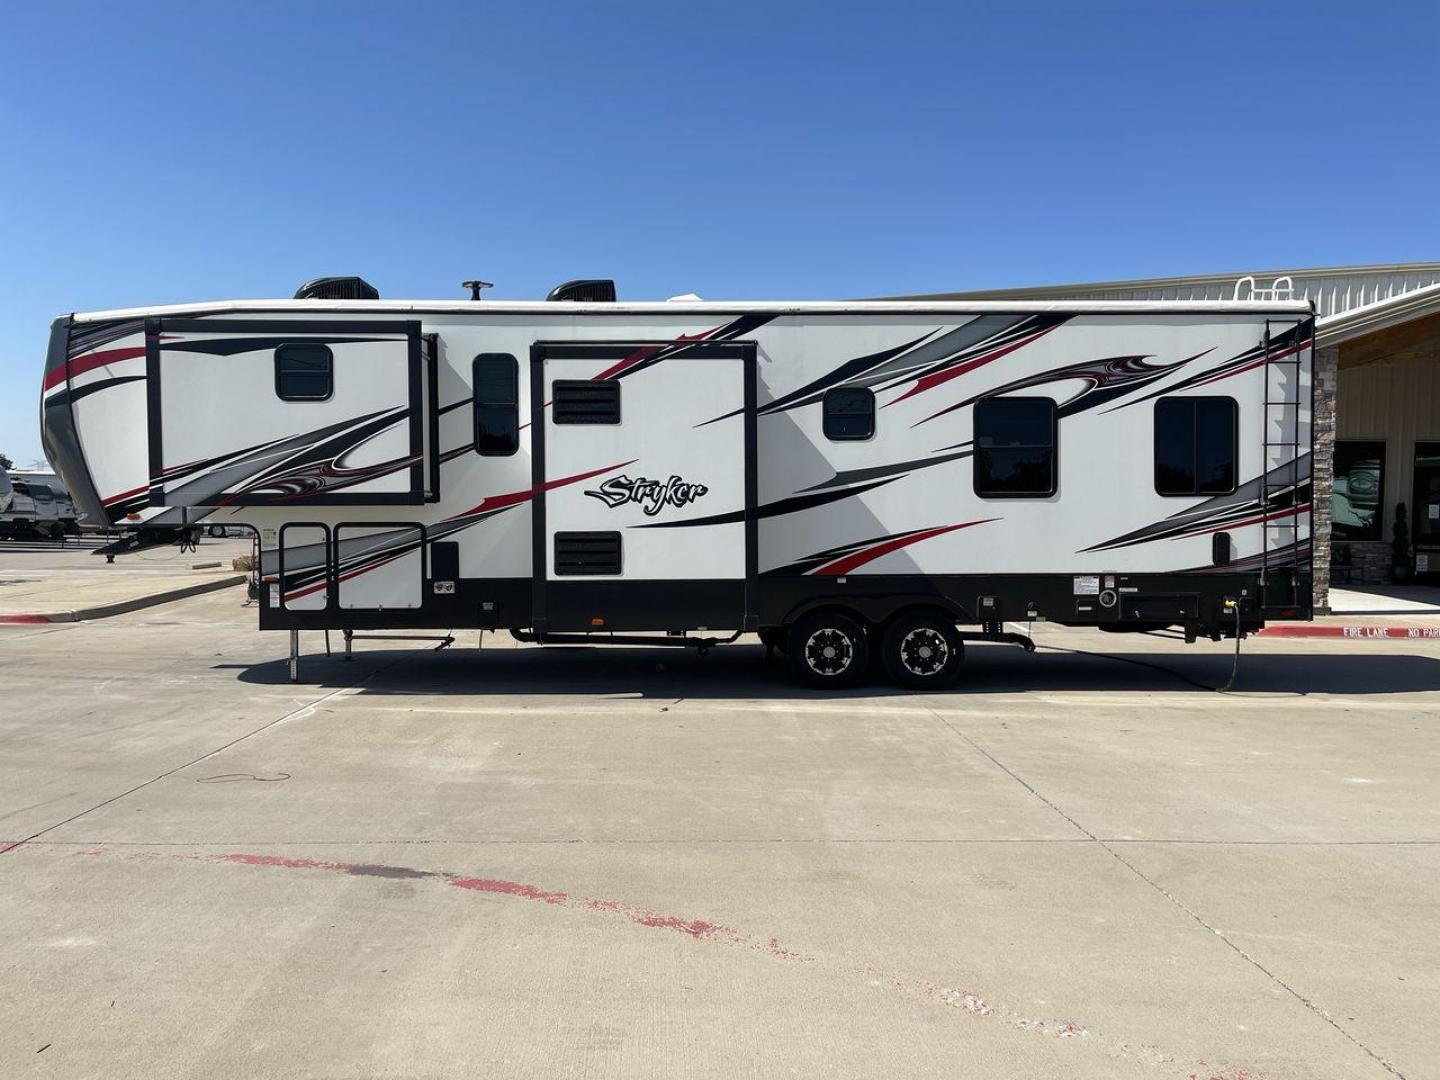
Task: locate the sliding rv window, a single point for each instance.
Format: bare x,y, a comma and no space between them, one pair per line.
848,413
304,371
1196,445
497,404
1015,441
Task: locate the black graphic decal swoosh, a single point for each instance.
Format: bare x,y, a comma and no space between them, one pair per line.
1105,380
1282,345
1239,508
72,396
855,476
850,371
783,506
232,346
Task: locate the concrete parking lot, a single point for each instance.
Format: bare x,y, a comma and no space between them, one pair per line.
565,862
64,582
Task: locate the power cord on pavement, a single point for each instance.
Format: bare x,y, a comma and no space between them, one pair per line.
1227,688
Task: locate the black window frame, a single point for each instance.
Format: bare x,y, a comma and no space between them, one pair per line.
980,452
329,372
1197,489
826,413
1344,448
560,386
478,404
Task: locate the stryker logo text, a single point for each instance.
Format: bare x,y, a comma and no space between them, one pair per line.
653,495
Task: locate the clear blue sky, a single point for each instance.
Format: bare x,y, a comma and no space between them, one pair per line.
157,153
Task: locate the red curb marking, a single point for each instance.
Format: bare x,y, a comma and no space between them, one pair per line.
24,619
1356,632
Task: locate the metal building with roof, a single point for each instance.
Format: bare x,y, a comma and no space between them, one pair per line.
1377,407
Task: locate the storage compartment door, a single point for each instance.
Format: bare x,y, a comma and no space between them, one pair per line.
380,567
304,567
261,412
644,517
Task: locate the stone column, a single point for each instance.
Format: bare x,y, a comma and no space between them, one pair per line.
1322,471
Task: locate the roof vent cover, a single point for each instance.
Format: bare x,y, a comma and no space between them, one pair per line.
585,291
337,288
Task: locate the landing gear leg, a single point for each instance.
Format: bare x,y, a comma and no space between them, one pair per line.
295,656
348,635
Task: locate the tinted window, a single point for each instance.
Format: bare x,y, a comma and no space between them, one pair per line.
304,372
1359,493
1015,447
1195,446
496,377
849,413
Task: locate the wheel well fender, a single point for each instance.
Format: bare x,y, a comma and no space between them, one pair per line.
928,607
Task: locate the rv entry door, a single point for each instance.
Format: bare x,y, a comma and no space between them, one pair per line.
644,478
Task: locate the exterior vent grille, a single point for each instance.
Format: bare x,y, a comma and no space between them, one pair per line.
337,288
588,553
575,401
585,291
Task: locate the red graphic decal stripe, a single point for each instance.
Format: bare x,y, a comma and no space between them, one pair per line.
1287,512
89,362
846,563
934,379
296,594
629,361
124,495
1219,375
499,502
648,351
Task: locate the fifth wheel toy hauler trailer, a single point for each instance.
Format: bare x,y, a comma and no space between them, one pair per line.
842,478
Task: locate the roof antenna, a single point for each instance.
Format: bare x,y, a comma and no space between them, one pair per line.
475,287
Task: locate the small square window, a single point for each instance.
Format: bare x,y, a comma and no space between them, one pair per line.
304,372
849,413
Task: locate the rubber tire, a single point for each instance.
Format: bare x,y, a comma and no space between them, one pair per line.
217,532
902,676
802,631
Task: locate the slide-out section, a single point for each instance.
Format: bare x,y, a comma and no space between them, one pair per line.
644,468
293,412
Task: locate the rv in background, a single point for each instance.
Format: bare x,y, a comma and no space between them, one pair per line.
41,507
846,479
32,514
7,493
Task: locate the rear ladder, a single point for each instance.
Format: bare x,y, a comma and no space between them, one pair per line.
1281,582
